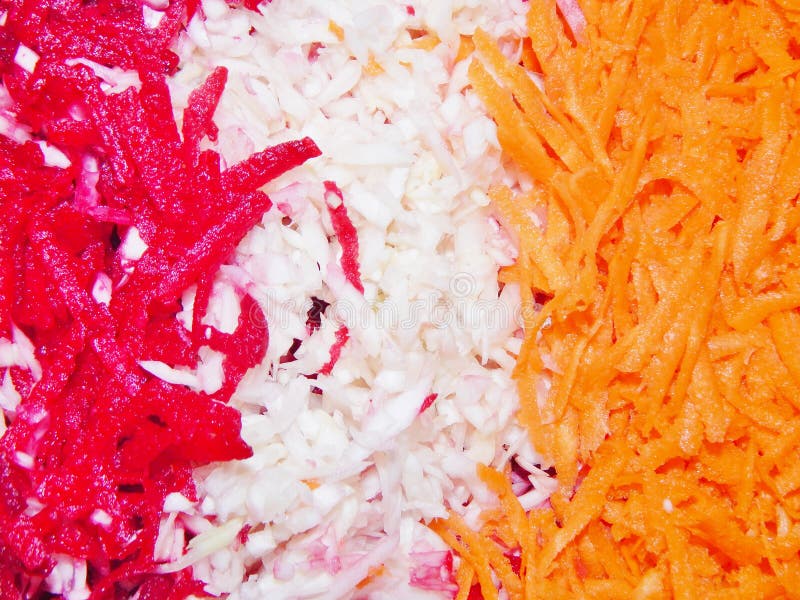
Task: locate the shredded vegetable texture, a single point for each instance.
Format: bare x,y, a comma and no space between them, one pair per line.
388,373
661,373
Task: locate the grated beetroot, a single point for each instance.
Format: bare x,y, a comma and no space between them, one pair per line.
342,336
96,434
347,235
428,402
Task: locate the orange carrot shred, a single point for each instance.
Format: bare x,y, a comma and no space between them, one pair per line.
336,30
465,48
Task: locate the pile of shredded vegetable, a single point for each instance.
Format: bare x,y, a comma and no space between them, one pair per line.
659,266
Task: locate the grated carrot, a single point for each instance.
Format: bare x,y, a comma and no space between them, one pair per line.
373,574
336,30
428,41
373,68
663,223
465,47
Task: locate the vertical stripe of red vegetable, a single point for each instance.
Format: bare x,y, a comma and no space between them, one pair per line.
342,336
347,236
198,116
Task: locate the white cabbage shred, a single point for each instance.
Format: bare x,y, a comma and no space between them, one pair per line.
346,471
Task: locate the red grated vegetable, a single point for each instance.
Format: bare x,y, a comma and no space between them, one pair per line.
244,533
427,402
342,335
313,51
346,233
96,432
198,116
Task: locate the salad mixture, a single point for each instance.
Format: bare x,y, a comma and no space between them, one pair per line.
316,299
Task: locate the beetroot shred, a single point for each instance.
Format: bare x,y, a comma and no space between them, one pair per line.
346,234
97,443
